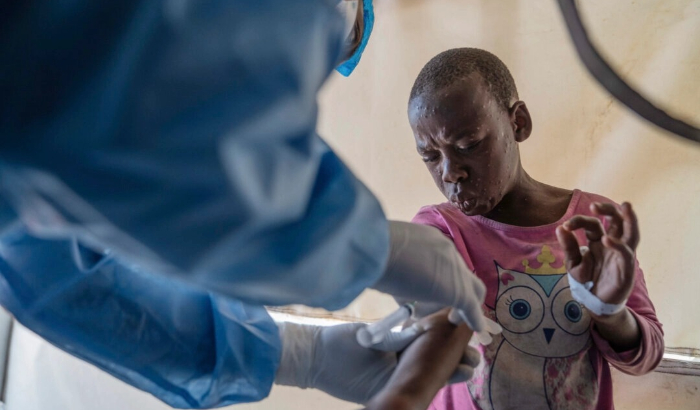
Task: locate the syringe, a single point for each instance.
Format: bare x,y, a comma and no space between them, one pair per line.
374,333
484,337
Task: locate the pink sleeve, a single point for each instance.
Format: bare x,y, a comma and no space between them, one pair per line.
648,355
438,402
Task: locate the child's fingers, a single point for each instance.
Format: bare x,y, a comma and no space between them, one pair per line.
618,245
626,275
471,357
461,374
592,226
572,251
630,225
625,252
465,370
614,216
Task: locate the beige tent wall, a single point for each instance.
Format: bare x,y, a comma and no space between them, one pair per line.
582,138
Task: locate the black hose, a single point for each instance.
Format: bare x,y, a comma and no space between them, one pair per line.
612,82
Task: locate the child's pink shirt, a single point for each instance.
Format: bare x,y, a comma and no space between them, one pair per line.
549,355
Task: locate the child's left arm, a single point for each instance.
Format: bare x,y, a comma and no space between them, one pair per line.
634,336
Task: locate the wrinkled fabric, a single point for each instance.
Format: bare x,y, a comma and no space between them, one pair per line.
183,134
188,347
170,147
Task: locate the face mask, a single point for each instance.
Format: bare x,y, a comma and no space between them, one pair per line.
348,8
349,65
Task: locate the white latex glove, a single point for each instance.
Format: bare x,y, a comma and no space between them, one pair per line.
331,360
422,310
425,266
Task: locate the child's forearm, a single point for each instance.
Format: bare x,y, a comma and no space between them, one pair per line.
422,371
621,330
425,366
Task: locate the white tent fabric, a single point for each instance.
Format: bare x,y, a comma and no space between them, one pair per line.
582,139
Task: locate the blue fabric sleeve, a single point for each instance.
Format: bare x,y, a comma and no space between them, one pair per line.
181,136
189,348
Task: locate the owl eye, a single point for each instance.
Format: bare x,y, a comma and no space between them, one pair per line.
572,311
569,315
520,309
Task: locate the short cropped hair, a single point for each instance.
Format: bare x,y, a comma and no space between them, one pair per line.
458,63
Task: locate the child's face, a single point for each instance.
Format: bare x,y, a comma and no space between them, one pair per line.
468,143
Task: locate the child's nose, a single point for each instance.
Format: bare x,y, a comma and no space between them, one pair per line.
452,172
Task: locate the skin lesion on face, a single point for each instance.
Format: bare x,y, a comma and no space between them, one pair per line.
468,142
470,146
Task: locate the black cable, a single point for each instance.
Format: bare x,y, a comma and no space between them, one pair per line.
612,82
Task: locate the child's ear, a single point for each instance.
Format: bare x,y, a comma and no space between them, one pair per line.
521,121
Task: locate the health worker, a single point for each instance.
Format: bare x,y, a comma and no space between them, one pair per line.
161,179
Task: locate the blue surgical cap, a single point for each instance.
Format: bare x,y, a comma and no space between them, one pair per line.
347,67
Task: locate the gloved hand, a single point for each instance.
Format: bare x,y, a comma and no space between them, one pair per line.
422,310
331,360
425,266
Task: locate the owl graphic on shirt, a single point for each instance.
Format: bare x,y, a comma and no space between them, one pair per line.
540,361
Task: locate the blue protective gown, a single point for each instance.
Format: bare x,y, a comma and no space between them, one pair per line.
163,160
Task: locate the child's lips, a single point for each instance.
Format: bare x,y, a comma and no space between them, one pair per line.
464,204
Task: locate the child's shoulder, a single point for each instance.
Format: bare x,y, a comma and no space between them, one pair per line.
435,208
587,198
433,214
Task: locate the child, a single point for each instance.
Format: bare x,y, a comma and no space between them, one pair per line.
521,237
